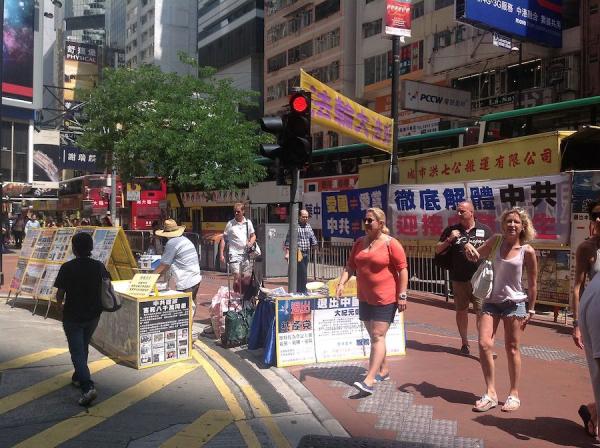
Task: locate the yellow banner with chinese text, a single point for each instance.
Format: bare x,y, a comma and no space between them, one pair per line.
535,155
332,110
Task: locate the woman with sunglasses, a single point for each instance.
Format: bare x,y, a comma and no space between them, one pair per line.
381,271
587,264
508,302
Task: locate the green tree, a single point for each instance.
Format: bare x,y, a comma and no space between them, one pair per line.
187,129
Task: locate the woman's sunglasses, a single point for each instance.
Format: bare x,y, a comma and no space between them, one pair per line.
368,220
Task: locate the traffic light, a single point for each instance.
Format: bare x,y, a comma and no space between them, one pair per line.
275,126
298,141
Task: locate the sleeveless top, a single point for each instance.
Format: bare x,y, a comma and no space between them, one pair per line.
507,279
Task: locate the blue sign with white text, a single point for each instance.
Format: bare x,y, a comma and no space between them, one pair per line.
75,159
343,211
538,21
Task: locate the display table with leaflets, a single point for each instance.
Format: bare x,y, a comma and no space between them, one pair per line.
151,328
307,329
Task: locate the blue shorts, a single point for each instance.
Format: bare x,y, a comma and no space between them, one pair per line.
379,313
508,308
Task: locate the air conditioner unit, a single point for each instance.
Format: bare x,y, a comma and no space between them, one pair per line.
562,72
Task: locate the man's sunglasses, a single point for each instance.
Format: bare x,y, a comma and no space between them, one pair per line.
368,220
594,216
238,212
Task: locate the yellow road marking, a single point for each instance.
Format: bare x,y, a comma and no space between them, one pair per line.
199,432
236,410
260,408
73,426
33,357
45,387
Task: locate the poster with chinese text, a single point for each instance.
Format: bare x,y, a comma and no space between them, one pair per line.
15,284
43,244
45,288
29,242
33,273
294,331
62,244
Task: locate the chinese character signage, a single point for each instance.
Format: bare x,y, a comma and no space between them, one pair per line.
344,211
397,18
81,68
423,211
75,159
312,203
423,97
539,21
524,157
334,111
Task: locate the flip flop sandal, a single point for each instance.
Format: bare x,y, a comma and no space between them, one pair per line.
511,404
586,416
485,403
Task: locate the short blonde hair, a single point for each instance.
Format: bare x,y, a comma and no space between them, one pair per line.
239,205
380,216
528,233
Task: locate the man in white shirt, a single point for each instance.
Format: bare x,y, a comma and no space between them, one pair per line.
240,236
181,257
33,223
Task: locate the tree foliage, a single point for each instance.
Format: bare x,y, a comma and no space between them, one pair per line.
188,129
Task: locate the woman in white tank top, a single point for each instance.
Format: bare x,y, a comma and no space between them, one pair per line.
509,302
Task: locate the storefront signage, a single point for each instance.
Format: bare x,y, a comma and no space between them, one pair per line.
539,21
74,158
344,211
502,41
397,18
423,97
334,111
423,211
215,197
164,330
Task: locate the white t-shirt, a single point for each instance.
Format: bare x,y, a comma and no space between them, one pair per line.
181,255
237,236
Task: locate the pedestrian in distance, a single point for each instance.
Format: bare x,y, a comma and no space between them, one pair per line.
33,223
306,241
239,235
453,239
586,336
78,295
508,302
19,230
381,270
181,257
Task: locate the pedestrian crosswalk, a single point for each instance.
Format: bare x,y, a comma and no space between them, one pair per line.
231,407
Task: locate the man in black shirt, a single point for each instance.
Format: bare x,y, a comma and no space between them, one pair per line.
454,238
78,284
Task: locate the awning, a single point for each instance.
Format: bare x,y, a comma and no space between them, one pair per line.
587,134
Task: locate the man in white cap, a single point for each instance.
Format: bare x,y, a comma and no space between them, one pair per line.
181,257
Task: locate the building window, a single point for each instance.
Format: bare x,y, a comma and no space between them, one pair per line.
276,62
277,91
371,28
317,140
334,139
273,6
327,41
300,52
442,39
376,68
439,4
460,33
293,82
328,73
326,8
368,1
418,10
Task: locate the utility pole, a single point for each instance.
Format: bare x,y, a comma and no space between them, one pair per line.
293,260
1,176
394,174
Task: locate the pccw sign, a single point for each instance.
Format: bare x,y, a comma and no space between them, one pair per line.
422,97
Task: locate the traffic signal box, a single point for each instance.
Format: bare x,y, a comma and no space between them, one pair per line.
294,141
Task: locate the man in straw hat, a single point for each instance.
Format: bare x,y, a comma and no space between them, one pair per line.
181,257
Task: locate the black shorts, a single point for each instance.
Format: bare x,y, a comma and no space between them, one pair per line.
379,313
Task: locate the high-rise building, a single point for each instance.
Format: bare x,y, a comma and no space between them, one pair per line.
157,30
230,39
84,21
318,37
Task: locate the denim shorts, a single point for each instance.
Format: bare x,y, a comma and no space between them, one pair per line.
508,308
379,313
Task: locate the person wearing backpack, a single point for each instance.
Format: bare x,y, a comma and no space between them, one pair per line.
78,295
452,242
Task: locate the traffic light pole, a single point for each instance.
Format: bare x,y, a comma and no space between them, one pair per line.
394,174
293,257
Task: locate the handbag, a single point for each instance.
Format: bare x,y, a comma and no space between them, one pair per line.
299,256
254,251
109,299
483,279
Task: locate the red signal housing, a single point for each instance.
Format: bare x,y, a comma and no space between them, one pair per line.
299,104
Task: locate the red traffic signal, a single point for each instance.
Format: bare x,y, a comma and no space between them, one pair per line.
299,103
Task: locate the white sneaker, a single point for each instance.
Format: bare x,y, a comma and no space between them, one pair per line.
87,397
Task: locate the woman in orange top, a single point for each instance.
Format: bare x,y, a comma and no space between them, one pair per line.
381,271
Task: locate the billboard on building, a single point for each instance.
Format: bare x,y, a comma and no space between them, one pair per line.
46,157
423,97
397,18
538,21
21,71
81,68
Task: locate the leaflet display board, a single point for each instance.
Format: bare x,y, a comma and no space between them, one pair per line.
44,251
147,331
326,329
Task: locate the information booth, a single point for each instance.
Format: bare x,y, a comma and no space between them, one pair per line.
151,328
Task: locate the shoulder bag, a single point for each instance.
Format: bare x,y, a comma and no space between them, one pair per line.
109,299
254,252
483,279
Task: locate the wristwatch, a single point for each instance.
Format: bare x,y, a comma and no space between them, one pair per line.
402,296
